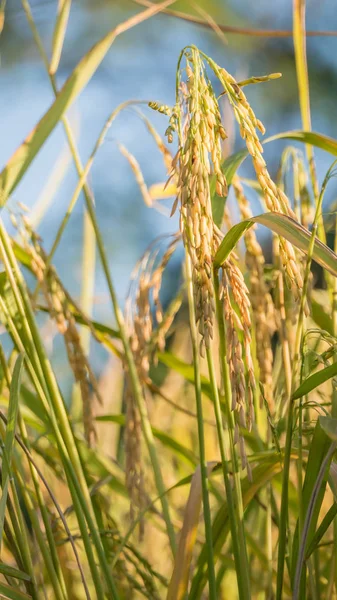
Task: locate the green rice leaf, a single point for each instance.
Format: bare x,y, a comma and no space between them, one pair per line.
315,380
329,426
321,530
319,447
232,163
13,572
11,593
307,137
262,473
284,226
13,406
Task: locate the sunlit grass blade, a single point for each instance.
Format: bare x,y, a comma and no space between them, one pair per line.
319,448
321,530
286,227
13,572
315,380
307,137
2,14
181,570
63,11
12,593
9,437
265,470
311,516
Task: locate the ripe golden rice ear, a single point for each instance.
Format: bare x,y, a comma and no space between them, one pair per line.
263,310
275,199
197,119
147,328
239,359
58,307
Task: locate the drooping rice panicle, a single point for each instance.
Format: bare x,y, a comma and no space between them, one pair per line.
262,303
274,197
199,155
242,386
147,334
59,310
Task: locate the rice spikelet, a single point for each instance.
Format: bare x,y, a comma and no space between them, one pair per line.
144,340
60,310
199,156
263,310
275,198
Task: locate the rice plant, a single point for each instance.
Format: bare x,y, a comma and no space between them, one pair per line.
221,481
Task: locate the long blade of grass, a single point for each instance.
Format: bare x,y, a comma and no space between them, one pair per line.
181,570
268,33
315,380
25,154
9,437
44,381
12,416
319,448
286,227
9,571
307,137
267,468
308,520
63,11
12,594
322,529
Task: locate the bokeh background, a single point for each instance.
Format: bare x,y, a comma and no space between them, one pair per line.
141,65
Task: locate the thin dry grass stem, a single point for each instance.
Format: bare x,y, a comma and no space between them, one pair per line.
263,309
163,149
275,198
137,173
199,156
265,33
59,310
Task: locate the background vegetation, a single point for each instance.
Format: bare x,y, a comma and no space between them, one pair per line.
140,458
